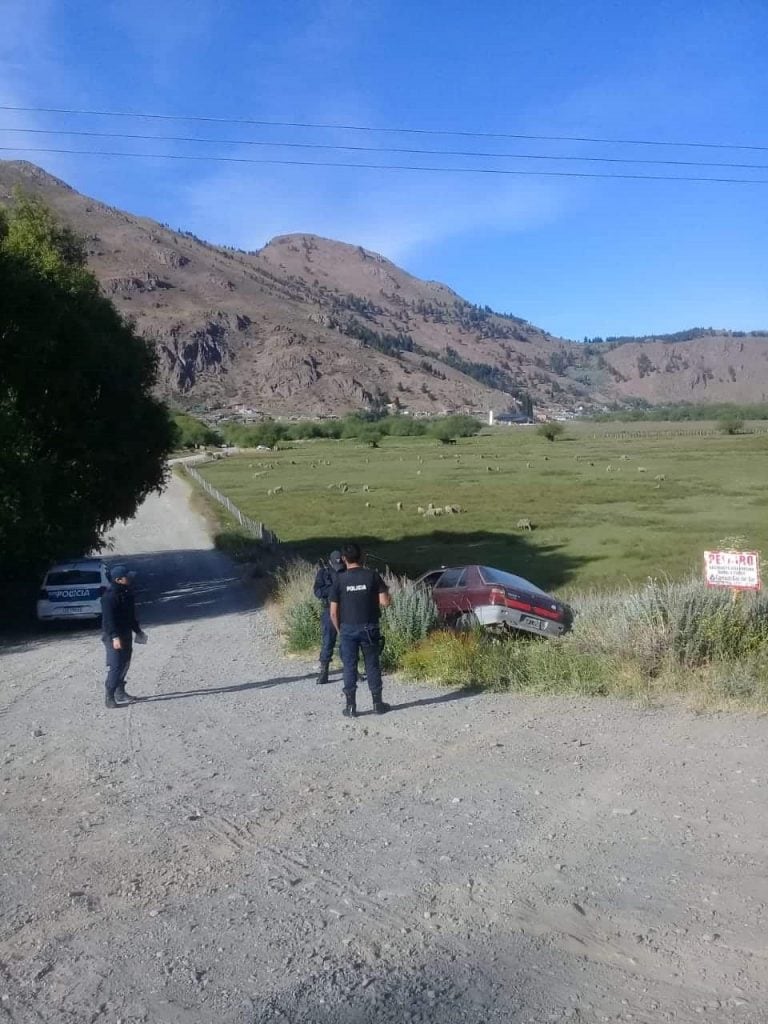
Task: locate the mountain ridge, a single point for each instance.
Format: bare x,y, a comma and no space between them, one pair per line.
311,326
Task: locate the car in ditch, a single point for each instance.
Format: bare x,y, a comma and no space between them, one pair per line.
72,591
467,595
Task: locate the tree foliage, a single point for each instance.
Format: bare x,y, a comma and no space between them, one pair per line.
730,425
82,439
191,432
551,431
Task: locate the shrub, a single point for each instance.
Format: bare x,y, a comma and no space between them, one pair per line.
299,607
551,431
408,619
664,637
192,433
730,425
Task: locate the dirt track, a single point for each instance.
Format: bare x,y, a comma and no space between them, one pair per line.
233,850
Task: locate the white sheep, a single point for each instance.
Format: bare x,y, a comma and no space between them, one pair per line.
399,506
524,524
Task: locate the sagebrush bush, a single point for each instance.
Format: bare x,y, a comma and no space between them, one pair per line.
408,619
665,636
300,608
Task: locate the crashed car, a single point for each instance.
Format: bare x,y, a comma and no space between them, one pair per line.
466,595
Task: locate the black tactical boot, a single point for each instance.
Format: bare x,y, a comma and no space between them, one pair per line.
380,707
109,701
322,677
351,709
122,697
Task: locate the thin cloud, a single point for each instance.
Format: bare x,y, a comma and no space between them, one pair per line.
396,215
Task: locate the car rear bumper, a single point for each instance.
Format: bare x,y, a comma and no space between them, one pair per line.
60,613
498,615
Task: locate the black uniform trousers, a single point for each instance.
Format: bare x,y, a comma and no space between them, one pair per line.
118,662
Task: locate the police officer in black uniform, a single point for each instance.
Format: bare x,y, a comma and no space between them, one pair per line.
356,600
119,624
324,581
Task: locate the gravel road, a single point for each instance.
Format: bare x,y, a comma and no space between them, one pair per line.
233,850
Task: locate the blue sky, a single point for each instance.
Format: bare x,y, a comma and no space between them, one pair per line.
575,256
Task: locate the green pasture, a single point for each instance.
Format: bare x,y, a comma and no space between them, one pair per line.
600,513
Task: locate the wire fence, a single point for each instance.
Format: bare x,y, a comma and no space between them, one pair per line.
259,530
655,435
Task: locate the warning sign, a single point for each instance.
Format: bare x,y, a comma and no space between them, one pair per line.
737,570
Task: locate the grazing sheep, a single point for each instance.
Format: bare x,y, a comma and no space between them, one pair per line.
489,469
366,488
418,472
641,469
524,524
608,468
624,458
343,488
420,510
278,489
546,458
367,504
399,506
659,477
456,509
527,465
434,512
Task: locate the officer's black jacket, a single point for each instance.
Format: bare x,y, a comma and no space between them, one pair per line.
118,612
324,581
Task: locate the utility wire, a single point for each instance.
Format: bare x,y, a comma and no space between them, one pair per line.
383,167
371,128
381,149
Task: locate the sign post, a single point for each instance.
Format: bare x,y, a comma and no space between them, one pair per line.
735,570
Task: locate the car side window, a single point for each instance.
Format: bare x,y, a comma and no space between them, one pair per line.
451,578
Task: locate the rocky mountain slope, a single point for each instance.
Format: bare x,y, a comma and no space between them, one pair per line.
309,326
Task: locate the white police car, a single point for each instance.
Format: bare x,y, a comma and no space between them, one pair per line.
72,590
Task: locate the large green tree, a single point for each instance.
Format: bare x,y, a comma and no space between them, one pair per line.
82,438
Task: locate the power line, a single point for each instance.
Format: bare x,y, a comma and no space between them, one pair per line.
325,126
381,149
384,167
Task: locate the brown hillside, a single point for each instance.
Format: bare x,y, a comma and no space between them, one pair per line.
309,326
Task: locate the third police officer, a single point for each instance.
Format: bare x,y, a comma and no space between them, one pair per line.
324,582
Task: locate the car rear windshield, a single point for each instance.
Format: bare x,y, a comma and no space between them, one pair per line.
66,577
508,579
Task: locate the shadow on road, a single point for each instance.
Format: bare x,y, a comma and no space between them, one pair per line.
422,702
170,587
262,684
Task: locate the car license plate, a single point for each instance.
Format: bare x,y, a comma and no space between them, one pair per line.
529,620
74,610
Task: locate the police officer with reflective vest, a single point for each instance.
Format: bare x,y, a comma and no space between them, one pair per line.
324,581
119,624
356,599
